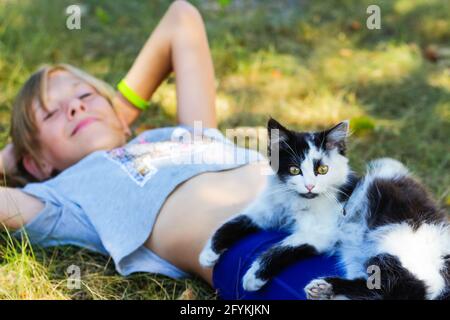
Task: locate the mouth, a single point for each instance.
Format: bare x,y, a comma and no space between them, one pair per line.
308,195
83,123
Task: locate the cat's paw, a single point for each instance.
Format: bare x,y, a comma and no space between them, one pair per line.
208,257
319,289
250,282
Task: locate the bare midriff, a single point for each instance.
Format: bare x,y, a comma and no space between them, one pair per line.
197,207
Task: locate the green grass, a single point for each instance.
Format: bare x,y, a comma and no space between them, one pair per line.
309,65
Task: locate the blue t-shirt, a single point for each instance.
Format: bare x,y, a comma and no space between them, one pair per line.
109,200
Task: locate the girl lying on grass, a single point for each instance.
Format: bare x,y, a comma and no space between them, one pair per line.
75,178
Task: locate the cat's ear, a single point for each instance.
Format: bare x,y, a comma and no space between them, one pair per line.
276,135
276,131
336,136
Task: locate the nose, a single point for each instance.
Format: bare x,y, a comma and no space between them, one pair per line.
309,187
75,105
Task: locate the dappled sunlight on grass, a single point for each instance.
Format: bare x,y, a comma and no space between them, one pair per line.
351,66
439,28
442,111
318,110
280,86
440,79
166,97
406,6
22,276
223,106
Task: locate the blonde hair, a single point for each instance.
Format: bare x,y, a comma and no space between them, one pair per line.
24,130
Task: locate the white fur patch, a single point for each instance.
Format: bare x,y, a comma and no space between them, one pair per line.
208,257
318,225
386,168
250,282
420,251
354,251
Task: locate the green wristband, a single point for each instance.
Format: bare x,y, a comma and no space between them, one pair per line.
132,97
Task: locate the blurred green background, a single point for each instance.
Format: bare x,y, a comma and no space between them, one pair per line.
307,63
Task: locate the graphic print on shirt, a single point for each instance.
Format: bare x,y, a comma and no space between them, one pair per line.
142,160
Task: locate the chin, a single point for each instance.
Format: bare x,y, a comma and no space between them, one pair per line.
106,142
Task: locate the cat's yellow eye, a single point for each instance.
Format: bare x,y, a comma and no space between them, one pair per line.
322,169
294,170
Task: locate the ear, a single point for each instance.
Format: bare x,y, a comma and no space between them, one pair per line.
275,136
39,172
336,136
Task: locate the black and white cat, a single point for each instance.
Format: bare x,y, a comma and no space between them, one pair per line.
305,197
393,224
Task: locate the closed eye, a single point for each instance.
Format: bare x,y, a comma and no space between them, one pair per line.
50,114
86,95
83,96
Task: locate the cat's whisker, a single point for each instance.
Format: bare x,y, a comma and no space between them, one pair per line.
335,199
327,195
339,191
331,196
293,153
276,191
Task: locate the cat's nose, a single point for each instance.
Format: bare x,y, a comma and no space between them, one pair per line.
309,187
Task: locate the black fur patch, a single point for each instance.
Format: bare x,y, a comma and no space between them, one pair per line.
232,231
445,272
355,289
402,199
445,295
396,283
346,190
292,148
316,164
321,141
277,258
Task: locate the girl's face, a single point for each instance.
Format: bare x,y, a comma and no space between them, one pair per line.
79,121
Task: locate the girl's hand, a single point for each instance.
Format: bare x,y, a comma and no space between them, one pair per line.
8,160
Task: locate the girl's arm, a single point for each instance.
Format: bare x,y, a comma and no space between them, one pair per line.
17,207
178,43
7,160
